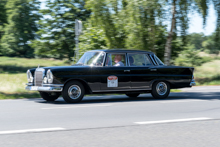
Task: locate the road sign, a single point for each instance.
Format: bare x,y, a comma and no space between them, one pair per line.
78,31
78,27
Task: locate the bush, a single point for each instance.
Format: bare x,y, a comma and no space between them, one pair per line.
190,57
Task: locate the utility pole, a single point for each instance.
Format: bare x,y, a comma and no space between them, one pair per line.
78,31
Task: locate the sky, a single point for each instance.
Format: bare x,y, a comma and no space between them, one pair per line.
196,21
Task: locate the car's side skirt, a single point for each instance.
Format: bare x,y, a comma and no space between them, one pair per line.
122,90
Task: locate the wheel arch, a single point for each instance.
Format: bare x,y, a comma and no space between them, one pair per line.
83,82
165,80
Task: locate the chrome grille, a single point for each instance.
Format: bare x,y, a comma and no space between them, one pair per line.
38,76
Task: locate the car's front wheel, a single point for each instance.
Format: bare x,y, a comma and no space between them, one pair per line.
160,90
49,96
73,92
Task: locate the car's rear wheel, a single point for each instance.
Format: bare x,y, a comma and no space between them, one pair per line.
160,90
50,96
73,92
132,94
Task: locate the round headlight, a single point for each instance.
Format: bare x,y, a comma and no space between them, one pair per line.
49,77
29,77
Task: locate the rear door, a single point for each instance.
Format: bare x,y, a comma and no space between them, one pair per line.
142,71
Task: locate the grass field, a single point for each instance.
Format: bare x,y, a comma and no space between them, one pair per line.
13,75
208,73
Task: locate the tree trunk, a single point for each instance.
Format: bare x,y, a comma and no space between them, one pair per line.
168,47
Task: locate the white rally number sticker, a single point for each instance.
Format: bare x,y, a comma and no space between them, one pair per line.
112,81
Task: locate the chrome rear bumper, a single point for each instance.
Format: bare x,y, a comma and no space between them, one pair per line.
193,83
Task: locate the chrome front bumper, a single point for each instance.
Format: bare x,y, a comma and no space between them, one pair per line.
46,87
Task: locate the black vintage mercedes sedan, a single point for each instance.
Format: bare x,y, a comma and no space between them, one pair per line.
131,72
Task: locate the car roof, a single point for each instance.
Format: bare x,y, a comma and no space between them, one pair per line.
122,51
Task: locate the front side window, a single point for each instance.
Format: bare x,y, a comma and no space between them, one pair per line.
92,59
115,59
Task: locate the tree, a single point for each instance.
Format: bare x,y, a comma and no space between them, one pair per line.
189,57
129,23
92,38
57,28
21,27
196,39
179,11
107,15
210,45
3,18
143,25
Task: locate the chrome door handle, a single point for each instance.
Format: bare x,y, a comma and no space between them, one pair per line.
153,69
126,70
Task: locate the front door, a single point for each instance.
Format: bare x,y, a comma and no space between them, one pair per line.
115,75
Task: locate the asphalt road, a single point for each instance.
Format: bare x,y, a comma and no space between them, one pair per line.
188,118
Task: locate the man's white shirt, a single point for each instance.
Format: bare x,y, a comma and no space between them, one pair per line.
119,64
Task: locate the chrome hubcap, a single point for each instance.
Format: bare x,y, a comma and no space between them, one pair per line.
161,88
74,92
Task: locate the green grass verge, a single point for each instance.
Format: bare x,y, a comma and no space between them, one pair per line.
19,95
13,75
21,65
175,90
208,73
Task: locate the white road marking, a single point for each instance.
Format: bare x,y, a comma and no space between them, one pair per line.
31,130
78,106
181,101
174,120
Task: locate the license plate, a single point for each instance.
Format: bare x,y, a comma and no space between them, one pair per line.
34,88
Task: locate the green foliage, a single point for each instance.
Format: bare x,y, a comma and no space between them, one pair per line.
107,15
57,28
189,57
197,40
92,38
141,26
21,28
130,24
211,45
3,17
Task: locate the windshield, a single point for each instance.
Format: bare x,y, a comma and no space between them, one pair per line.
92,59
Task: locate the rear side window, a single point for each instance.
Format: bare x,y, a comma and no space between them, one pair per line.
138,60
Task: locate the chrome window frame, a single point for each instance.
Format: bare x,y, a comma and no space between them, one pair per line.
155,57
155,63
147,56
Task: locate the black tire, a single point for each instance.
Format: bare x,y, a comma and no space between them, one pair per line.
73,92
160,90
50,96
132,94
